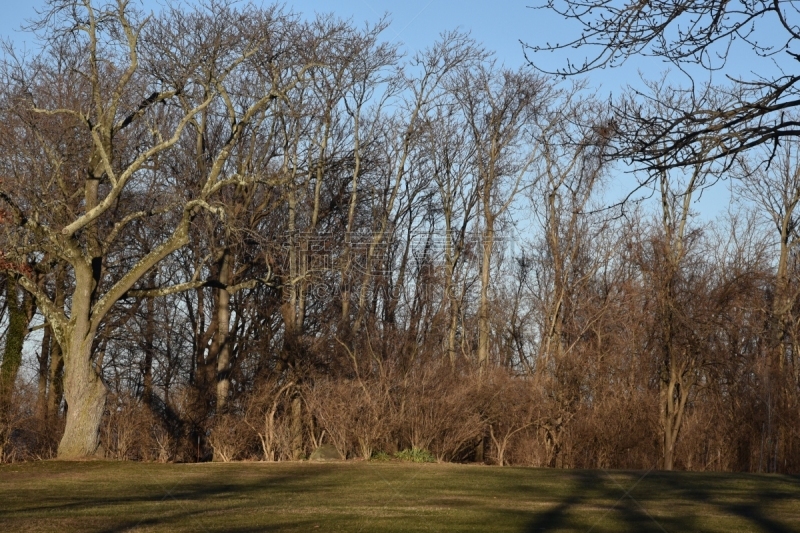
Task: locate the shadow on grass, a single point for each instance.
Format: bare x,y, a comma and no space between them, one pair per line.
196,501
672,502
189,503
753,511
387,498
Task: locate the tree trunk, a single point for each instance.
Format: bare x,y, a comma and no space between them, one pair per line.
55,391
669,442
43,374
12,355
675,394
84,389
297,428
453,307
483,312
223,335
86,400
149,345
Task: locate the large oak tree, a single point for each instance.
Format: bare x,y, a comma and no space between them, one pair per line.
103,121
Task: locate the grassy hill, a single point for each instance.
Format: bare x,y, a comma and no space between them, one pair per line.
376,497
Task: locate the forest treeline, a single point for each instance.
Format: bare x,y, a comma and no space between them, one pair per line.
230,232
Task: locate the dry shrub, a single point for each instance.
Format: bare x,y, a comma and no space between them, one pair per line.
231,438
125,428
426,408
132,431
562,386
19,430
372,425
619,429
439,410
511,408
789,435
527,449
356,414
698,447
48,435
751,430
269,417
184,430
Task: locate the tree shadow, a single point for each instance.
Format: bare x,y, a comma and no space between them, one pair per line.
176,501
589,488
751,511
631,503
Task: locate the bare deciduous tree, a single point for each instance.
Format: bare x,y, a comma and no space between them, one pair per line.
508,116
714,124
137,93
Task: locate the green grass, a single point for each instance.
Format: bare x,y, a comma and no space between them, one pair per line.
381,496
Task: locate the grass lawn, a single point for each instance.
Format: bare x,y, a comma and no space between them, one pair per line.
375,497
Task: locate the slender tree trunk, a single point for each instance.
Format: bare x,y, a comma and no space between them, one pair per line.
452,331
12,359
483,312
222,366
12,355
55,391
667,422
674,403
43,374
297,428
201,376
453,308
149,348
223,335
668,379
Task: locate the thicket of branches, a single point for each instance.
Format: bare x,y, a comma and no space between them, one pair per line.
234,233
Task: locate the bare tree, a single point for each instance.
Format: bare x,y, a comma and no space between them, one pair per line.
447,145
691,34
507,115
572,168
133,103
775,189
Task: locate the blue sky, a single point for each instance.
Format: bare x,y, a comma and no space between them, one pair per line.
416,23
499,26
